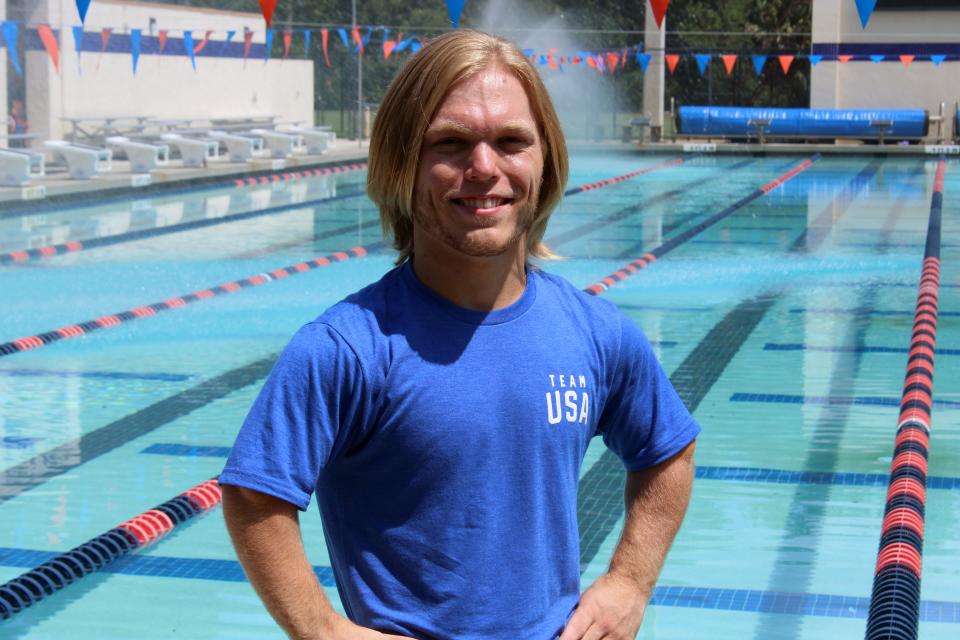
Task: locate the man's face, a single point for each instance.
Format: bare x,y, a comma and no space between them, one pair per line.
480,169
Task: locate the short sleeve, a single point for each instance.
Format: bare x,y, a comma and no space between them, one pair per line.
312,400
643,421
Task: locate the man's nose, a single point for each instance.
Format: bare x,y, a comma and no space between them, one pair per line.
482,162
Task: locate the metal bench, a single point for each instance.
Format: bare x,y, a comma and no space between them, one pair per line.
19,166
143,156
83,161
195,152
240,148
278,143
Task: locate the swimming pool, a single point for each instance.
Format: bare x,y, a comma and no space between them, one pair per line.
784,327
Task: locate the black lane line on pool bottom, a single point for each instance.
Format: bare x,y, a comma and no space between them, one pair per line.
600,501
27,255
45,466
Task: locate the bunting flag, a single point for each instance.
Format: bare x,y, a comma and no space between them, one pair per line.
415,46
82,6
865,9
105,34
703,59
659,10
672,59
306,42
203,43
247,43
268,45
785,62
355,33
907,59
49,41
162,39
78,45
877,58
10,30
287,41
135,48
226,43
343,36
937,58
188,47
366,39
815,58
454,8
324,37
729,60
612,60
388,47
844,59
403,44
643,59
758,62
267,7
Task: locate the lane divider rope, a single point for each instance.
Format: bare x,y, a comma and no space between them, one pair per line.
100,551
895,600
633,174
26,255
653,255
75,330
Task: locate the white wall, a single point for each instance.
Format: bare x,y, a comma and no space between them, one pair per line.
860,84
3,75
165,87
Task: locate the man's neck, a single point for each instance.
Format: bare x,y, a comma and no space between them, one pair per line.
480,284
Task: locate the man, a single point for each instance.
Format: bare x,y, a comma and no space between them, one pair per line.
442,413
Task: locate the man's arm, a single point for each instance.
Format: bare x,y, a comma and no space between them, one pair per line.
266,535
656,501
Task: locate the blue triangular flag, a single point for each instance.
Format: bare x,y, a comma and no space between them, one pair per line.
10,29
404,44
188,47
703,59
758,62
643,59
366,38
226,43
415,47
78,45
528,52
268,45
865,9
306,42
938,58
135,48
877,57
543,59
815,58
82,6
455,7
343,36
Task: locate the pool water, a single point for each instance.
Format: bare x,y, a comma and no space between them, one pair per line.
784,327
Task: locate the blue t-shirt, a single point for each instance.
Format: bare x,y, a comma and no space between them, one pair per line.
445,445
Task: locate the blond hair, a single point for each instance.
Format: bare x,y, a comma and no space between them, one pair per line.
412,101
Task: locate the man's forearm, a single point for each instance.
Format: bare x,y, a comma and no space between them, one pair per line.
266,535
656,501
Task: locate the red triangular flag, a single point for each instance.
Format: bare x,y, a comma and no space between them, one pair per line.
324,35
659,10
729,60
906,59
388,47
552,62
247,43
162,39
357,39
785,62
104,38
50,44
844,59
200,45
287,39
267,7
612,60
672,60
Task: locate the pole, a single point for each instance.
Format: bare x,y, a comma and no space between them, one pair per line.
360,123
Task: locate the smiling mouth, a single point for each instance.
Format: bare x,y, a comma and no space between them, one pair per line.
482,203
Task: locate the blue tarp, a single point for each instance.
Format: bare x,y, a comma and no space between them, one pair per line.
825,123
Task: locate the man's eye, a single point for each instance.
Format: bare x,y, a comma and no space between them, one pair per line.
514,142
448,142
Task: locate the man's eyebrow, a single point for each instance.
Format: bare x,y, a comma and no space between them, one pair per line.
518,127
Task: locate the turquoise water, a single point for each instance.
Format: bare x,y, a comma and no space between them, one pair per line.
779,325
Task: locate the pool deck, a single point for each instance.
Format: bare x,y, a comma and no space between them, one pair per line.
122,181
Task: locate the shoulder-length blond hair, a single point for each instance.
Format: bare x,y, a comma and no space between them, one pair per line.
412,101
